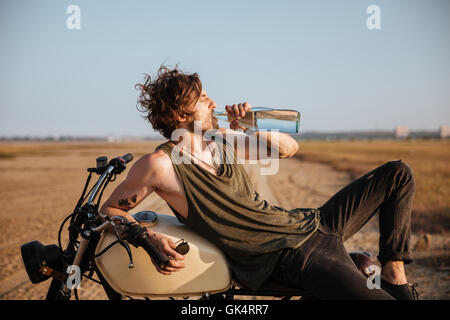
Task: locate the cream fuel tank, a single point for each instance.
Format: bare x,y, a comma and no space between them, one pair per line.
206,268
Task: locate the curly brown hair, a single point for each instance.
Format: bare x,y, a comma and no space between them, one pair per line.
172,94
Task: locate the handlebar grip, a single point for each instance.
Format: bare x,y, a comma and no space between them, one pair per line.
137,236
127,158
158,257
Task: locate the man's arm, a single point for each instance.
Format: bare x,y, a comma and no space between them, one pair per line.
248,146
281,142
137,186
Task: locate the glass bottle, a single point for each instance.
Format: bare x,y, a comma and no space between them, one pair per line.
258,118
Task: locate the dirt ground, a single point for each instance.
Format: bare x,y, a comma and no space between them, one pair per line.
38,191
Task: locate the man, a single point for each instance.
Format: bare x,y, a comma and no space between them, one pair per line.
299,247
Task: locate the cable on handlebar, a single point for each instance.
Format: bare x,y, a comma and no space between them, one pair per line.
75,212
107,248
111,177
61,227
80,201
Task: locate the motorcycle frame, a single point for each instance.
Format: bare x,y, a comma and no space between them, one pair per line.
84,257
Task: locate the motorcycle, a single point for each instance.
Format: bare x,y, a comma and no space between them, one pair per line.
100,245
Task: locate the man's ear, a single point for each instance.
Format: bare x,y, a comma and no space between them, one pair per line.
181,118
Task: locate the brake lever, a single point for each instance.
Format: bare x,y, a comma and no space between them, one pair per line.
120,239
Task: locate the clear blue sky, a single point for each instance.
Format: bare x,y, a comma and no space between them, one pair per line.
316,56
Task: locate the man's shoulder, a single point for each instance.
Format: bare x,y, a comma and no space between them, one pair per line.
157,160
152,164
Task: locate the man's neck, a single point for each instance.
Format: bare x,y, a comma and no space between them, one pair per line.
191,142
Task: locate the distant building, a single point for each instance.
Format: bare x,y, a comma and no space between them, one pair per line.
444,132
401,132
112,139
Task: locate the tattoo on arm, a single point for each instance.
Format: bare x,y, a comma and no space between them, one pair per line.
128,203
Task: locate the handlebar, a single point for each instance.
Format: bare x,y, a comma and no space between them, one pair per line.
115,166
119,163
127,158
137,236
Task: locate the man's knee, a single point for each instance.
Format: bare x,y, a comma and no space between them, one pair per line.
401,168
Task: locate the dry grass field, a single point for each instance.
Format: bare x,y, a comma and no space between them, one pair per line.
41,183
429,160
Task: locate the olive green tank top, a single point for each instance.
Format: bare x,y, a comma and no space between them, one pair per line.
226,210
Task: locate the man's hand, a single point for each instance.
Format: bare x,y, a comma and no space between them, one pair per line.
167,246
285,145
235,113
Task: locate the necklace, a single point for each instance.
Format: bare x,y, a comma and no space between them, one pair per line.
217,168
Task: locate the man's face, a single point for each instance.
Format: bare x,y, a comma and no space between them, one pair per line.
203,111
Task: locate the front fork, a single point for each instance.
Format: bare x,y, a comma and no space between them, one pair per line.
62,290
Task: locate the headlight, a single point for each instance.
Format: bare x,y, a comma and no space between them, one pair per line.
35,255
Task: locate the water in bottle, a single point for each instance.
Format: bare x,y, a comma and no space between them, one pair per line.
258,118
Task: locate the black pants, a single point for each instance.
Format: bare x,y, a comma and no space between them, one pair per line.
322,267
